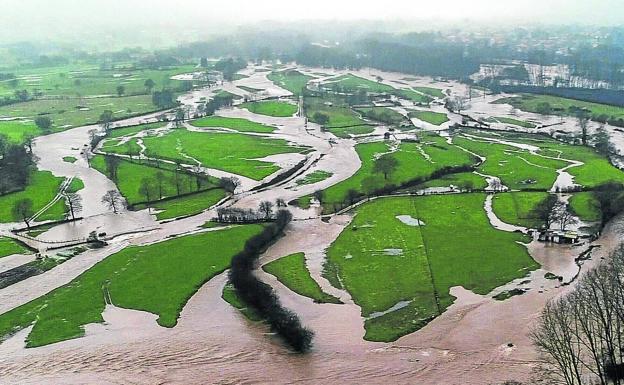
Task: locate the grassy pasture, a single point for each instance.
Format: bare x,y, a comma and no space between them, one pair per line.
293,81
158,278
385,264
235,153
413,163
9,247
516,208
238,124
561,106
271,108
291,270
17,131
314,177
42,189
353,83
435,118
66,113
343,121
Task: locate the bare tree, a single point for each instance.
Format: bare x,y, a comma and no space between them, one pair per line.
280,202
74,201
113,200
583,119
581,334
146,189
229,184
266,207
112,166
561,214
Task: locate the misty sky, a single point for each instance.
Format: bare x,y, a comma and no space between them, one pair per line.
45,18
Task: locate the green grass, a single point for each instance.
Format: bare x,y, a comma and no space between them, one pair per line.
116,146
457,180
516,208
158,278
512,121
92,81
382,114
435,92
562,106
76,185
596,168
415,97
130,175
314,177
585,206
412,165
66,113
227,94
435,118
515,167
291,270
41,189
271,108
9,246
133,130
238,124
17,131
353,83
235,153
70,159
381,261
230,296
293,81
187,205
250,89
343,121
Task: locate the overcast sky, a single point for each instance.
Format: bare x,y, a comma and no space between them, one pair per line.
45,18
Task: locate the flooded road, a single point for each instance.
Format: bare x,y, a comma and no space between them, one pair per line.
214,343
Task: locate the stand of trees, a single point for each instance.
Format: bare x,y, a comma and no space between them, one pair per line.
16,163
581,334
260,296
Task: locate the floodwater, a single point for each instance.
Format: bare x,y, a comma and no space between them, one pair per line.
214,343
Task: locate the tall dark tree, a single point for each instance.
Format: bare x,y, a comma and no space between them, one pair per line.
385,165
23,211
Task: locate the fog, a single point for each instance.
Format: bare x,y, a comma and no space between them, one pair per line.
165,21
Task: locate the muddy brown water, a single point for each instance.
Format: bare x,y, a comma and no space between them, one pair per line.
214,344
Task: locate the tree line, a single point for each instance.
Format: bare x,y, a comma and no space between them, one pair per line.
261,296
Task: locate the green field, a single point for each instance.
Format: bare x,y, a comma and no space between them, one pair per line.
561,106
517,168
435,92
354,83
235,153
131,174
70,159
343,121
382,114
187,205
435,118
17,131
413,164
291,270
596,169
117,146
88,80
512,121
41,189
66,113
293,81
414,96
133,130
585,206
271,108
9,247
458,180
385,263
314,177
238,124
158,278
516,208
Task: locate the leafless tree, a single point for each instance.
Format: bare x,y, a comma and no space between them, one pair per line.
280,202
266,207
581,335
113,200
562,215
74,201
229,184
